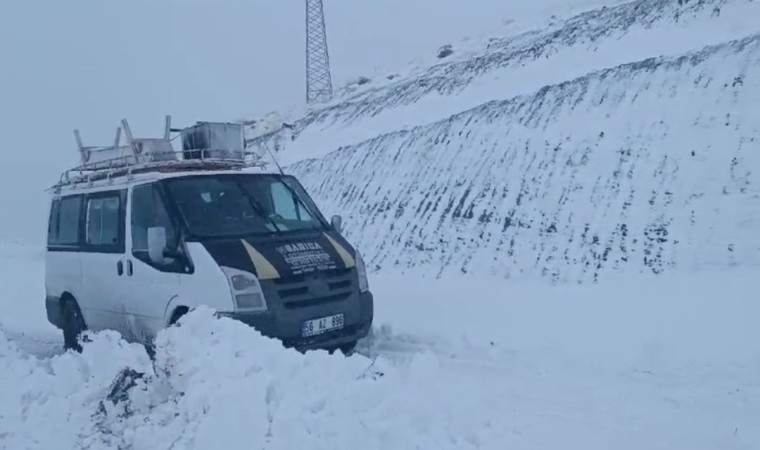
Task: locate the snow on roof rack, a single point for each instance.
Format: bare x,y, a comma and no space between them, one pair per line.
205,146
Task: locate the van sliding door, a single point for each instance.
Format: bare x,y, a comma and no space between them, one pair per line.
101,257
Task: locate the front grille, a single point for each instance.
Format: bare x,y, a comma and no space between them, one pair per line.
328,274
345,284
294,292
317,301
313,289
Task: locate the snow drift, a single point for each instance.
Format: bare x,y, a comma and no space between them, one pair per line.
218,379
534,367
637,164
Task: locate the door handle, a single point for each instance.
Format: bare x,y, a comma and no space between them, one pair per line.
120,268
129,267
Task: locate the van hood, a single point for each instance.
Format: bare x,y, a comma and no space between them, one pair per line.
272,257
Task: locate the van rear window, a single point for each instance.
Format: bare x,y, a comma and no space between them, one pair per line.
64,221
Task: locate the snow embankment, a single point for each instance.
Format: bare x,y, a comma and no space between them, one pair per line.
648,166
216,382
595,367
565,153
507,67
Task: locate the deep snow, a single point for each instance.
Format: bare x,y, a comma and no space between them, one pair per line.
647,362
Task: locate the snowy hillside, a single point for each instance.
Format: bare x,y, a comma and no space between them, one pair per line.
623,160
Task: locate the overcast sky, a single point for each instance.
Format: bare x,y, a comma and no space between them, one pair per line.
68,64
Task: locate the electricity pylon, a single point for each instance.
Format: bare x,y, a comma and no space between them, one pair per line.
318,79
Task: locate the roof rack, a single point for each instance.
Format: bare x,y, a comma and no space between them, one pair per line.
205,146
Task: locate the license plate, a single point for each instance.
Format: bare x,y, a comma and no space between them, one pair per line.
322,325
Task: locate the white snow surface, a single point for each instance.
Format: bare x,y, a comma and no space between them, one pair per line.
666,361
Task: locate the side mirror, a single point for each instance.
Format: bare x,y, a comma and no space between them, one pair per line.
156,244
337,223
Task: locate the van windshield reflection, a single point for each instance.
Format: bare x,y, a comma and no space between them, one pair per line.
239,205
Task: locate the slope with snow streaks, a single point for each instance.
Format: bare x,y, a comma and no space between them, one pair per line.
641,167
519,65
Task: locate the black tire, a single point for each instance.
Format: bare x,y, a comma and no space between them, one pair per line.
178,313
348,348
73,325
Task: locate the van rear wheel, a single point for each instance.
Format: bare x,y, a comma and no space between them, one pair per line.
73,325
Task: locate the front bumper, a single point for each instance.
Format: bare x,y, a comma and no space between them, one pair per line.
285,324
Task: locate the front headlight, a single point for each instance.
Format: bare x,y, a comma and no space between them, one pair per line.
361,271
245,289
243,282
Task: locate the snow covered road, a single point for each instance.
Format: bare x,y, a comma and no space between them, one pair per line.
669,362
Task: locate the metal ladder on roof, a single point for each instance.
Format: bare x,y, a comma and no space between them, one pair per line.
205,146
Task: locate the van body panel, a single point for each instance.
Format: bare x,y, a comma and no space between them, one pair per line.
206,286
101,252
143,299
145,290
63,274
290,254
100,300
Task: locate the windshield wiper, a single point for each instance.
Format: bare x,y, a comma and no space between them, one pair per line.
297,199
256,205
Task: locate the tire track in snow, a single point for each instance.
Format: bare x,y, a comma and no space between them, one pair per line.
402,348
40,345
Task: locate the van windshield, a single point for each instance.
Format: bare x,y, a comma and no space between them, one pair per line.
240,205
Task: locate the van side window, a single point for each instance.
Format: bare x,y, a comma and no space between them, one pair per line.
103,217
148,210
63,228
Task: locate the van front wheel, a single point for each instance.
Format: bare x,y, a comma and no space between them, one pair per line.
349,348
73,325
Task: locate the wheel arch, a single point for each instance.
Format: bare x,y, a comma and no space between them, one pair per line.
175,309
54,307
177,314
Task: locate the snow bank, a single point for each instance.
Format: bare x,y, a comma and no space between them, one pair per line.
49,403
216,383
217,380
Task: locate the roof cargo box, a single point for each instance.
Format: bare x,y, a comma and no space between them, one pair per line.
213,140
